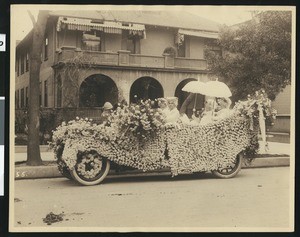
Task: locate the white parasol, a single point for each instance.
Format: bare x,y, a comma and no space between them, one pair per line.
195,87
217,89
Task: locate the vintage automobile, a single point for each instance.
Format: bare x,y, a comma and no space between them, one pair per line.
137,137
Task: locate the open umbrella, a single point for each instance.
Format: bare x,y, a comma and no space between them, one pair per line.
217,89
195,87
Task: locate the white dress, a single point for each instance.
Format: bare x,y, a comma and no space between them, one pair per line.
184,119
172,116
223,113
165,111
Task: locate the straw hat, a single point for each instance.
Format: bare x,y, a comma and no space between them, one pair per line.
107,106
161,99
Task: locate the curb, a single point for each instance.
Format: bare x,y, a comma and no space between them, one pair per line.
36,172
51,171
269,162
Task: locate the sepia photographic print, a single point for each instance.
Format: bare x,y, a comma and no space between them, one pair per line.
152,118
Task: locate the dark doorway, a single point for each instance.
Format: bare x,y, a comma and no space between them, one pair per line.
145,88
96,90
197,101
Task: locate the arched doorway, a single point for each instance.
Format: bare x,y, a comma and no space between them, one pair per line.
97,89
145,88
197,101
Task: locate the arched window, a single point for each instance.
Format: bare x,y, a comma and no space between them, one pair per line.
96,90
145,88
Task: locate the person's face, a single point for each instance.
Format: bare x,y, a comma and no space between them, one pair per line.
162,105
172,106
208,106
107,111
222,104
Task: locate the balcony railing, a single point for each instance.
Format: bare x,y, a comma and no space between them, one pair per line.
123,58
146,61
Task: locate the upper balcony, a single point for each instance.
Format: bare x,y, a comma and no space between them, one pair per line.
123,58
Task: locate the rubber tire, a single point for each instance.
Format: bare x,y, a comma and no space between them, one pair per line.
79,180
235,171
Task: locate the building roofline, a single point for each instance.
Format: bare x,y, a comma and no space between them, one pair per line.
27,38
98,16
113,19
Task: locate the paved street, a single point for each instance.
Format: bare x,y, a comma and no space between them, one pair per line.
255,198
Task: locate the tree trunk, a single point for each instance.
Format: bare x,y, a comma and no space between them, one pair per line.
33,146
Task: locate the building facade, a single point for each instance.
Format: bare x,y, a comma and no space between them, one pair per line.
282,104
91,57
97,56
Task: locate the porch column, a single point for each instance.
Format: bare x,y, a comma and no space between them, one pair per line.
124,90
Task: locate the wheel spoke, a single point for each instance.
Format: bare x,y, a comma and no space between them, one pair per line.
229,169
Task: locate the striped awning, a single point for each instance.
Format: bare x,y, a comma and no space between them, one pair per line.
106,26
203,34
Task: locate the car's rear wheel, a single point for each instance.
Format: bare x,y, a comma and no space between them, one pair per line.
231,170
91,168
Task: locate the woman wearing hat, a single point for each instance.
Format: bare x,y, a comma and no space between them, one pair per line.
163,105
207,115
173,113
223,110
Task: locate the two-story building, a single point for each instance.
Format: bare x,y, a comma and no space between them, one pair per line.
91,57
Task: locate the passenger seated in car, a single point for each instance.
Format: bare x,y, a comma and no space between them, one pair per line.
207,115
222,110
173,114
163,105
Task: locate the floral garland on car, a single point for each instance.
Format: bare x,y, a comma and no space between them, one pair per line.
133,137
250,107
257,108
208,147
142,119
80,135
137,137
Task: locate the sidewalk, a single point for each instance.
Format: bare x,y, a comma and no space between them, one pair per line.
277,155
20,154
275,148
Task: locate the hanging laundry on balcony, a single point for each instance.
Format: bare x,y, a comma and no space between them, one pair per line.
71,23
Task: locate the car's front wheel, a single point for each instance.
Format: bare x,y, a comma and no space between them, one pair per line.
91,168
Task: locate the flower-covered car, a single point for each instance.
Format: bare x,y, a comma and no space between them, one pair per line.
136,136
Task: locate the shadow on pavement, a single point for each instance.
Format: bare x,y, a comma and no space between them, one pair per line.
148,177
165,177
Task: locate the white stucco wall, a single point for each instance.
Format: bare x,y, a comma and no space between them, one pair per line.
156,42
